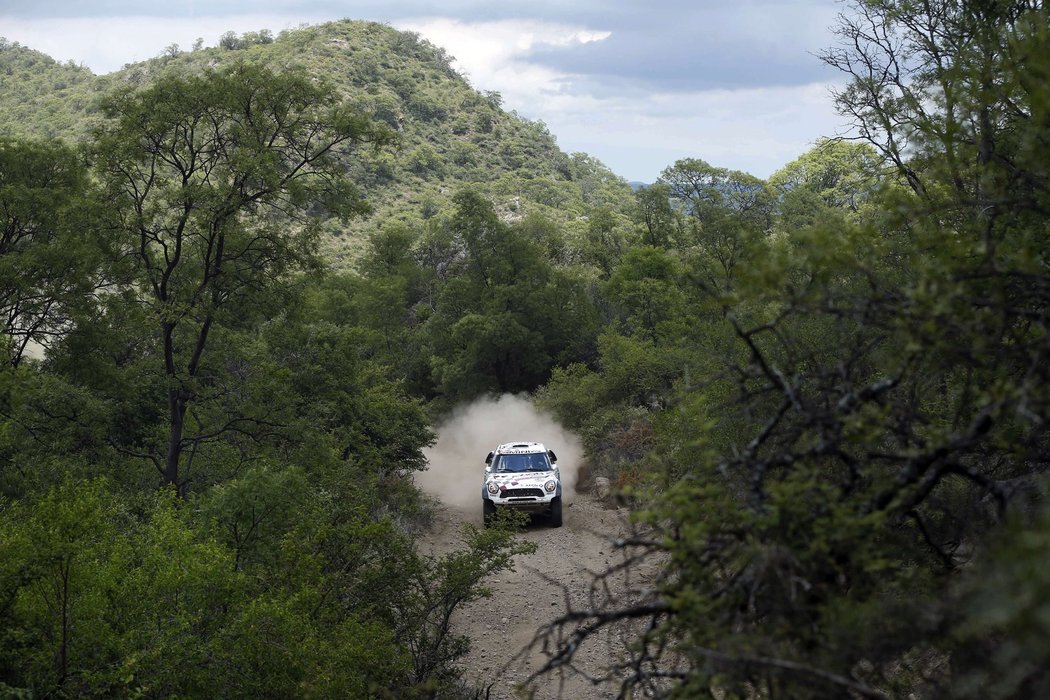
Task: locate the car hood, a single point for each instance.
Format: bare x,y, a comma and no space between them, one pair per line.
522,479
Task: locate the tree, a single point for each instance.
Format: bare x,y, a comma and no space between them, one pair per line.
51,241
229,41
216,179
728,209
605,240
60,557
948,85
653,209
508,316
646,287
834,174
703,190
832,502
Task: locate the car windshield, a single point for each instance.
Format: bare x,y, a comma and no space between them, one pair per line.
535,462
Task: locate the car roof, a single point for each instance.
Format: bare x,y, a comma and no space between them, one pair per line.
520,448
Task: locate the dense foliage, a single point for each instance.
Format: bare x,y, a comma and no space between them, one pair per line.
845,448
206,479
823,395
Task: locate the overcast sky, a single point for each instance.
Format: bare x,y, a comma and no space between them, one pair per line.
635,83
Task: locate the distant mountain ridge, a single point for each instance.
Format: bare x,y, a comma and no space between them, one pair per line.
450,135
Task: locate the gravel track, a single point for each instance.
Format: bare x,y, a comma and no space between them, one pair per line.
542,586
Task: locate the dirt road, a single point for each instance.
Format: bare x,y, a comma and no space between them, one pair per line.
543,584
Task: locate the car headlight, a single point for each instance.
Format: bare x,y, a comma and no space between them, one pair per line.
493,488
550,486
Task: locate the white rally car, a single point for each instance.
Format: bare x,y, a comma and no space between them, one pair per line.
523,476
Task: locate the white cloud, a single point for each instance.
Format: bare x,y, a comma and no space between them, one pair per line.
757,130
105,44
637,135
494,55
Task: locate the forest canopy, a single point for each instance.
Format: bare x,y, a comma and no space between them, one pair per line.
823,396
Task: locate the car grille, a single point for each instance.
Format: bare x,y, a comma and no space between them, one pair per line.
522,493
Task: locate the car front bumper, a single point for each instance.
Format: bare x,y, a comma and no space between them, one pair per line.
529,498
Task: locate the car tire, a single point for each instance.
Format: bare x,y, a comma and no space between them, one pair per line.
556,512
488,512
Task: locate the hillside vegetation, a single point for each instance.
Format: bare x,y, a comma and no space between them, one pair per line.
824,396
448,134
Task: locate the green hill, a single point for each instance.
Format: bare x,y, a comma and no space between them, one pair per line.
43,98
450,135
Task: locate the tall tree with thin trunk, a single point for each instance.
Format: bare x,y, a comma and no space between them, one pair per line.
218,181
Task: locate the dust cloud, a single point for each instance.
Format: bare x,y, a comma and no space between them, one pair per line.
457,460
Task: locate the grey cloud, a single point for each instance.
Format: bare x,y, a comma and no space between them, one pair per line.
616,14
355,9
699,62
668,45
705,47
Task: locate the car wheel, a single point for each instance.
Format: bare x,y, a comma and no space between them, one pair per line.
556,512
488,512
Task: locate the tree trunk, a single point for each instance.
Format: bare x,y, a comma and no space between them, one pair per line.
177,416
